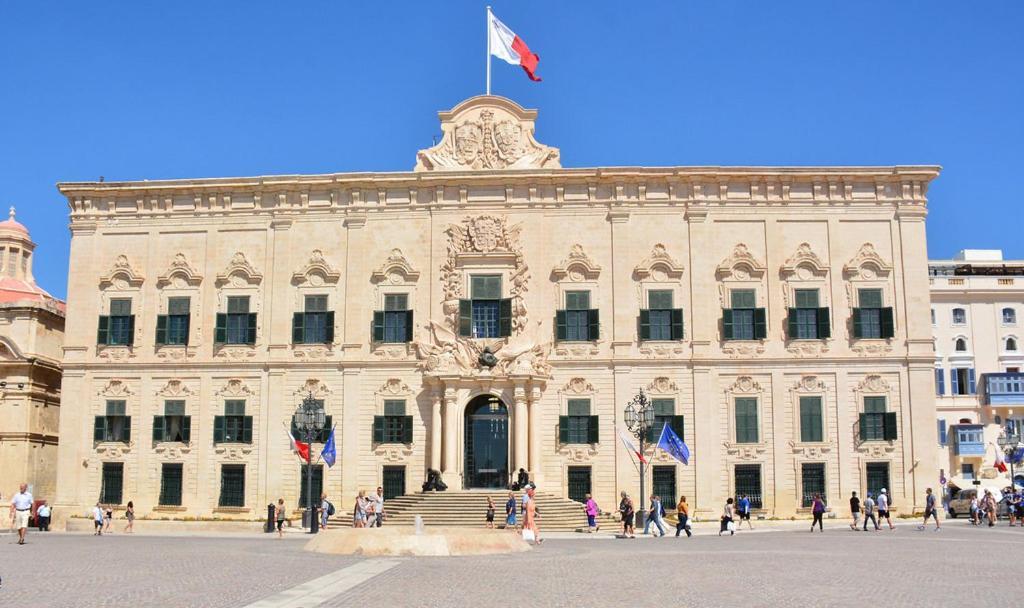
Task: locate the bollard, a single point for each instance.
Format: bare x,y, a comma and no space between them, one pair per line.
269,526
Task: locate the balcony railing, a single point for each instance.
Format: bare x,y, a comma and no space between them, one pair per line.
1004,388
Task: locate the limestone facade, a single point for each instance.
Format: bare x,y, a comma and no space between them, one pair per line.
489,236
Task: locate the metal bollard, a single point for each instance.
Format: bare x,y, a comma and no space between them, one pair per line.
269,526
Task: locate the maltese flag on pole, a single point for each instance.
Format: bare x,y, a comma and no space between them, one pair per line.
506,45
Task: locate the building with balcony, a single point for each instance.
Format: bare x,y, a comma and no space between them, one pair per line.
491,310
977,301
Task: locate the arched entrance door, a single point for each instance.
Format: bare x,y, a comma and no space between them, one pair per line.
486,443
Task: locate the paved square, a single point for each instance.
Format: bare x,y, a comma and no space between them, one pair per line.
779,564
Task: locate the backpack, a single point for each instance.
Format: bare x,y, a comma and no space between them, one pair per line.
330,508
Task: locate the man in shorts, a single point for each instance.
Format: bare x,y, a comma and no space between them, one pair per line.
855,511
883,508
21,509
930,510
743,507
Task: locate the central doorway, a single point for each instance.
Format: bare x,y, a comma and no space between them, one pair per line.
486,443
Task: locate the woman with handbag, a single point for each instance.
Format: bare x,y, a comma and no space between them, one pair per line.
818,510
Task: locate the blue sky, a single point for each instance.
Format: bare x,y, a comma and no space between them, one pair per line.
148,90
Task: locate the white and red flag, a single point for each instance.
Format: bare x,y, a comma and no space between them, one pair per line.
631,447
302,449
505,44
1000,464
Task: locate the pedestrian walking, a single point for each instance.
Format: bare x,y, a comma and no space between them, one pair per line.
592,512
975,511
626,511
655,516
988,506
743,506
1020,508
883,508
869,512
510,512
530,522
1012,506
129,514
326,510
21,509
854,511
97,519
378,508
490,513
359,510
279,515
818,511
108,519
728,516
683,513
43,517
929,510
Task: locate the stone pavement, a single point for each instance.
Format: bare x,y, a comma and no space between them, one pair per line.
780,564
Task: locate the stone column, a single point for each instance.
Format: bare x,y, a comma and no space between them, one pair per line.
450,437
536,472
520,431
435,430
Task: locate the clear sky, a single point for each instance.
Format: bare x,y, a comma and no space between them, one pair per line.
152,90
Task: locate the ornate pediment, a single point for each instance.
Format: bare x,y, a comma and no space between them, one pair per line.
804,264
394,387
867,264
395,269
741,265
115,388
809,384
659,266
316,271
745,384
239,272
578,386
314,387
175,388
577,267
662,386
873,383
235,387
179,274
445,353
122,275
487,133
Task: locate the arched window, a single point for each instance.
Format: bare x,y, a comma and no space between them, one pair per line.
961,345
959,316
1011,344
1009,316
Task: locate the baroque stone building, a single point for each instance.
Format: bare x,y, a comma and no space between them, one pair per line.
491,310
31,334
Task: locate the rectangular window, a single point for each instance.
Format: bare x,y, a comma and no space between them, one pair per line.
114,426
237,320
876,424
485,291
807,321
579,483
967,471
877,477
394,482
940,381
318,485
661,315
746,420
315,320
394,323
176,323
232,485
112,484
234,426
806,298
578,316
394,426
121,322
170,484
664,413
743,304
174,425
963,381
811,423
943,432
577,421
812,482
747,480
663,485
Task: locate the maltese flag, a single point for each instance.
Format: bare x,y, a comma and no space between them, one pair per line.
506,45
300,448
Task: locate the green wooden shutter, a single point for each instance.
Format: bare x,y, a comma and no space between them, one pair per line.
824,326
161,329
103,331
888,326
99,428
408,326
378,326
890,426
679,425
863,427
561,328
329,322
218,429
727,324
246,429
131,330
220,328
593,324
760,324
186,429
677,323
188,327
645,324
406,429
158,429
326,431
592,430
298,328
858,325
563,429
791,331
378,429
465,317
126,430
504,317
250,337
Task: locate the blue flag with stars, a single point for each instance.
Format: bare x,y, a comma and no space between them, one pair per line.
671,443
329,453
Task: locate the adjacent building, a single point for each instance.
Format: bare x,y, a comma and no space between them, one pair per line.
491,310
31,335
977,308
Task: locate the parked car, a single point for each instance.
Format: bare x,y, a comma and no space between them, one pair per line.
961,504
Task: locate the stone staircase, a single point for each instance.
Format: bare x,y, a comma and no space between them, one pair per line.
468,508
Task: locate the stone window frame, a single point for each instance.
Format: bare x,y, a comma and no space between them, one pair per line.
1002,316
745,387
315,277
123,281
175,389
181,280
742,270
876,385
661,272
240,278
578,272
868,270
810,385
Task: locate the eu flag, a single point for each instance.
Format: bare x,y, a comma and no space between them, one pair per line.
671,443
329,453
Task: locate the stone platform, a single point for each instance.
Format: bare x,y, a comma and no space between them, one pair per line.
404,541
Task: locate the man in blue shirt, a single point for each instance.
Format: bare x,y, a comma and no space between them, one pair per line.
655,516
743,507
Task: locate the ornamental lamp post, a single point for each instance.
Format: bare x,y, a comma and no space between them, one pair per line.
309,419
639,417
1008,443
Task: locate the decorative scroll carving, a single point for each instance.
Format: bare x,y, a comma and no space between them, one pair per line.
235,387
229,451
394,387
873,383
809,384
578,386
804,264
811,452
744,451
317,271
662,386
179,274
745,385
578,454
396,269
807,348
577,267
867,264
736,349
115,388
652,350
122,275
443,353
239,272
175,388
487,132
872,348
393,453
659,266
741,265
315,387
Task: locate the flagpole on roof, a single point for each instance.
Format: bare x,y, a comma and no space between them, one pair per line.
488,50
